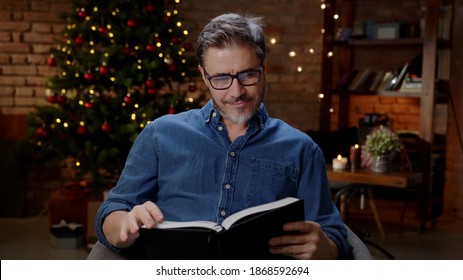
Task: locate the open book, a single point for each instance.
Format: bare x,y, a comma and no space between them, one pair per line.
243,235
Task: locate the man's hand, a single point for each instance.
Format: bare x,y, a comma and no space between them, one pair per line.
305,240
122,228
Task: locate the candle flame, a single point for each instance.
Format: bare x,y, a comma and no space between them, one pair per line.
339,157
356,146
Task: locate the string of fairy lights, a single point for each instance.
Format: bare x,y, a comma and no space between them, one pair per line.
311,51
329,54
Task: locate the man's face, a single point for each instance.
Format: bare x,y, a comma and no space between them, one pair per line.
237,103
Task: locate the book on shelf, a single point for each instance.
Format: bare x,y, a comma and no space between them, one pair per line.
346,80
363,80
365,84
411,83
398,78
243,235
385,81
375,84
358,76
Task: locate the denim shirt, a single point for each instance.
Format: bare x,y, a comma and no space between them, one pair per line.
186,164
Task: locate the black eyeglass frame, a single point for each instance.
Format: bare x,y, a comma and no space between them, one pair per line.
233,77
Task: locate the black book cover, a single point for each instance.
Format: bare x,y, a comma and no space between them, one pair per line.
246,238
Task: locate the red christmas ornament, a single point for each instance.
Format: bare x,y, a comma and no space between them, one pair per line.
187,46
60,99
106,127
41,133
52,98
88,76
172,67
131,23
149,83
81,130
103,70
51,60
174,40
79,40
149,8
151,91
64,136
157,39
128,99
102,29
127,51
82,14
192,87
150,47
171,110
88,105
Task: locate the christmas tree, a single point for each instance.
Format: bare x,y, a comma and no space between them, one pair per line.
120,64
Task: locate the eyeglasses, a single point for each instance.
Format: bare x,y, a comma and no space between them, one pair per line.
224,81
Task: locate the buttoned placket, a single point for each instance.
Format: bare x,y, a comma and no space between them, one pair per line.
231,169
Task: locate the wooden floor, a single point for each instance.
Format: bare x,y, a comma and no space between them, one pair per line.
402,240
28,238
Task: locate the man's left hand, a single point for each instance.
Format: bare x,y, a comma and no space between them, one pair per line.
305,240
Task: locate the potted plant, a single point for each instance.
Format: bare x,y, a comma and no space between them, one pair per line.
382,144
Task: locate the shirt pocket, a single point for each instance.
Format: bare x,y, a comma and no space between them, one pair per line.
271,180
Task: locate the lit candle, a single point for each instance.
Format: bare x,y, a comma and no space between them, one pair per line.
339,163
355,157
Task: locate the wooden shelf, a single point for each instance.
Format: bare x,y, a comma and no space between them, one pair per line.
387,43
382,93
401,42
385,55
400,93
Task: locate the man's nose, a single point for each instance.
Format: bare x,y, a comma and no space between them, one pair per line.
236,89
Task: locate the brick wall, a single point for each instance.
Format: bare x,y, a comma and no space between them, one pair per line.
27,31
403,112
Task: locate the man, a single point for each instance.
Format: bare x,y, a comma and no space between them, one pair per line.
209,163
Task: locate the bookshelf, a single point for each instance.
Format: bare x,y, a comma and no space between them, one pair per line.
426,33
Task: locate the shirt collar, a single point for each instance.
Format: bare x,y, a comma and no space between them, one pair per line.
209,113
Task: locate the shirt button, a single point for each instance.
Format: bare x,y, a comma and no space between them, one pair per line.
220,128
223,213
214,114
227,186
232,154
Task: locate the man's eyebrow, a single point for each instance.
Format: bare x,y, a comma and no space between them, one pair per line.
242,71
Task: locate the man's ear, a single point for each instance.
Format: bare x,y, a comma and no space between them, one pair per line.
201,70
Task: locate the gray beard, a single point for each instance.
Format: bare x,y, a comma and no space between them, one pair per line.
242,118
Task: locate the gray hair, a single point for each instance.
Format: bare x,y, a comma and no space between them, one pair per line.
228,29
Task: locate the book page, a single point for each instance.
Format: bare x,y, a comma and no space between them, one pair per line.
191,224
228,222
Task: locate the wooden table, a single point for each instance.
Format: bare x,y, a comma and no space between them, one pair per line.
369,179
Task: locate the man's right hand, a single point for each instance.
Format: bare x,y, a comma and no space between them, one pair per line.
121,228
